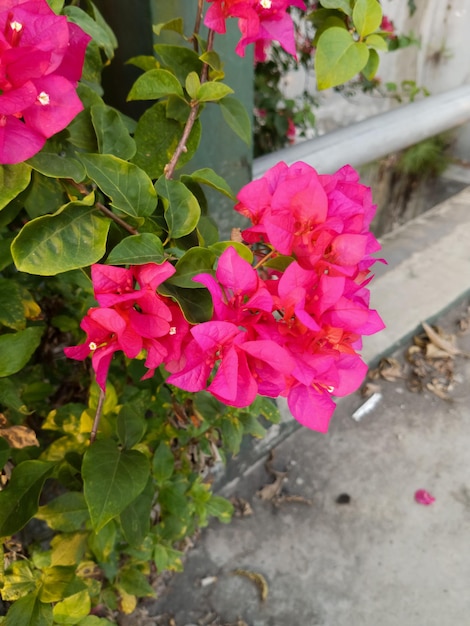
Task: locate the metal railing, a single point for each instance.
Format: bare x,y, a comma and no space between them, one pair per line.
376,137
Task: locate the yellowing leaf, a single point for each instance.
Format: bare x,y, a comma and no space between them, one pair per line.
127,602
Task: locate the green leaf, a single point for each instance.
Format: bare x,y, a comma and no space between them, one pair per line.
221,508
135,582
166,558
130,426
372,65
45,193
176,25
155,84
73,237
179,59
232,433
177,109
135,519
207,176
163,463
4,453
241,249
112,479
96,28
194,261
174,499
338,57
377,42
13,180
111,132
67,513
192,84
12,313
53,165
342,5
11,398
196,304
72,609
137,250
367,17
17,348
157,137
212,92
19,501
213,60
29,611
234,113
182,212
144,62
130,189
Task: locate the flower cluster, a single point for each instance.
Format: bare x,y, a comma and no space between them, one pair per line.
41,60
133,318
291,326
259,21
296,332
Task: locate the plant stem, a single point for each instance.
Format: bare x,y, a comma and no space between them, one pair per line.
96,421
263,260
101,207
181,147
197,25
115,218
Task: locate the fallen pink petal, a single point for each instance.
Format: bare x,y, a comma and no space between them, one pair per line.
424,497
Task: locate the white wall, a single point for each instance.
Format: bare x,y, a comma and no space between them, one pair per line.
440,63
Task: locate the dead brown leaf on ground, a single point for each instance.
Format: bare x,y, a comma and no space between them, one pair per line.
272,492
389,369
242,508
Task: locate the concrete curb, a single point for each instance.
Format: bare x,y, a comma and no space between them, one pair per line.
427,271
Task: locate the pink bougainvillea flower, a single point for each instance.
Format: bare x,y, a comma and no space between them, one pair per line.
323,221
259,21
424,497
41,60
238,293
131,319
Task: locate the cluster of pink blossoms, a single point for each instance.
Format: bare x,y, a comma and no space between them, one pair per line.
132,318
293,333
41,61
259,21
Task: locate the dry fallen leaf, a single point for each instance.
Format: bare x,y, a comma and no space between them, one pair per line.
268,492
19,436
242,508
258,579
438,389
369,389
441,342
389,368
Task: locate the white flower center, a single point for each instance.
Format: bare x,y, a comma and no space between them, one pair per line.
92,345
43,98
266,4
16,26
172,331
